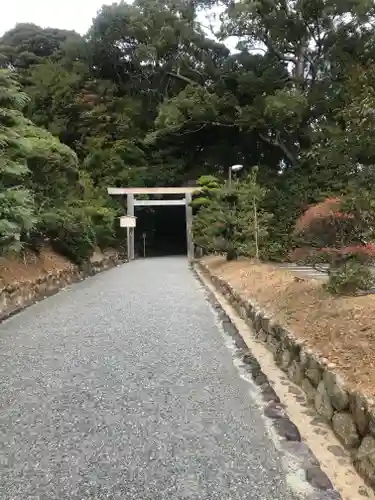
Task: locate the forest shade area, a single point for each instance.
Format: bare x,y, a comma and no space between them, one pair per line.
152,96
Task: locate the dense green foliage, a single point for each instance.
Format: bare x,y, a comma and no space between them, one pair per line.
16,203
44,195
228,219
152,96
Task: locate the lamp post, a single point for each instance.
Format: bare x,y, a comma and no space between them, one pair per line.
233,168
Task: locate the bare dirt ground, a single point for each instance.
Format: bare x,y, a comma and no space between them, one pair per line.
15,270
342,329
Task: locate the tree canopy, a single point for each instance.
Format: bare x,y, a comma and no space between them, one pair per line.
151,95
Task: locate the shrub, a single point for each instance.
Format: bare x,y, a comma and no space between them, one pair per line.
325,225
334,232
232,222
350,277
70,233
364,254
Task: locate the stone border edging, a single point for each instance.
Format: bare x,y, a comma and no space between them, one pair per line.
14,299
274,410
351,414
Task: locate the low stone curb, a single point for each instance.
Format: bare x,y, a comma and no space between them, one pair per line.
351,414
14,299
275,411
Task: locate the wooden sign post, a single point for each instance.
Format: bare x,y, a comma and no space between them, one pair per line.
130,222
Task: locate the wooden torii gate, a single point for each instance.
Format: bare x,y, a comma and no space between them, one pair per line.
132,202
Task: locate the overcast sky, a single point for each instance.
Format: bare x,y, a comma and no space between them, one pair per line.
66,14
74,15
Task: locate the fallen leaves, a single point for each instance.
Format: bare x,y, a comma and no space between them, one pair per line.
341,329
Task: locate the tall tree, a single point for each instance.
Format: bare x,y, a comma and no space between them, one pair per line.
16,202
28,44
316,39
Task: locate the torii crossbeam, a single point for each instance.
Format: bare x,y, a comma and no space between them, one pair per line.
132,202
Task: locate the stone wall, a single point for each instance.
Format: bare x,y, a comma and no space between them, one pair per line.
350,413
16,296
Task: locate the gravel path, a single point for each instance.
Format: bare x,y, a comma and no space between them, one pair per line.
123,387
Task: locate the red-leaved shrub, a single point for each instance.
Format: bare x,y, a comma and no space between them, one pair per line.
322,210
325,225
327,233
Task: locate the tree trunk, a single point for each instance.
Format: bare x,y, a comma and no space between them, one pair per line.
232,254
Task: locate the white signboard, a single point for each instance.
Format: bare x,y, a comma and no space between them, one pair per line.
128,221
